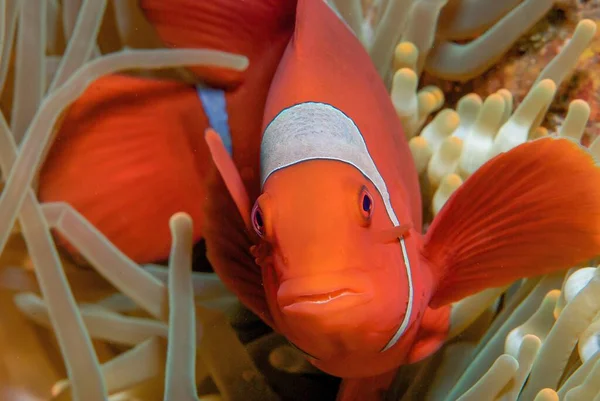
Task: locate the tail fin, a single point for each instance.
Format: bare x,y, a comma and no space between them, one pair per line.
244,27
532,210
130,153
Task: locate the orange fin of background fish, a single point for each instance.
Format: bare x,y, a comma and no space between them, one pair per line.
242,27
432,334
532,210
128,155
230,174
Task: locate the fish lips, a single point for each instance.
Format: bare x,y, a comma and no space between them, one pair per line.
324,294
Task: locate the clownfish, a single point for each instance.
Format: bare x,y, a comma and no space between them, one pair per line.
311,210
346,274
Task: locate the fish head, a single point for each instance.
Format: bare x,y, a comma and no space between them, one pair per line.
334,282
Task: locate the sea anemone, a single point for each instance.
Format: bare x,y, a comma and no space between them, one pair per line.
536,339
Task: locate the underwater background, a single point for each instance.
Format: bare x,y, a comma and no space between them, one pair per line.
94,326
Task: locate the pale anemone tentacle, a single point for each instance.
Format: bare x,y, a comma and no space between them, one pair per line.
546,394
138,284
466,311
129,369
508,103
406,55
520,126
440,128
38,135
422,14
351,13
51,67
180,368
101,324
566,60
479,140
75,344
561,301
538,132
575,122
578,377
444,161
528,350
454,359
421,153
587,390
448,185
577,282
11,16
465,19
516,130
561,341
71,11
82,42
228,362
589,341
412,106
468,109
206,285
404,99
52,24
526,290
388,34
492,346
492,382
595,149
133,28
452,61
539,324
29,66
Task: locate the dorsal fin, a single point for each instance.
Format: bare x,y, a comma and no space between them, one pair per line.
246,27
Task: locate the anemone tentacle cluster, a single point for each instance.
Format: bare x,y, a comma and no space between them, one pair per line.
125,331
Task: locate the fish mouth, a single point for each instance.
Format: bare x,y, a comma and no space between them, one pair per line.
324,298
297,297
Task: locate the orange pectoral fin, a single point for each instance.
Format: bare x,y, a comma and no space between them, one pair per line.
532,210
231,176
227,231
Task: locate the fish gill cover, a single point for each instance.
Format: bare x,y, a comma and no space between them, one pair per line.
536,339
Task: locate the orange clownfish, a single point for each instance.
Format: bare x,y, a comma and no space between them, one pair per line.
327,247
346,274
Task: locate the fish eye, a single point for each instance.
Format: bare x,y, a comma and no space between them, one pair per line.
366,204
258,221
